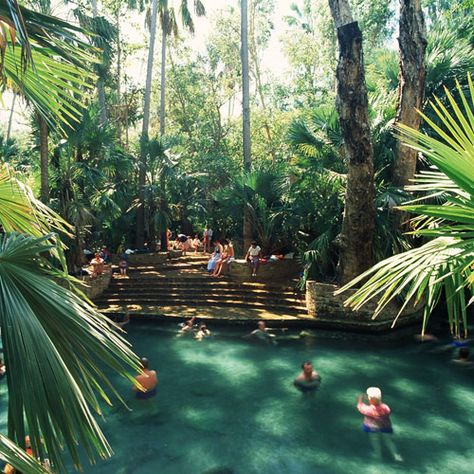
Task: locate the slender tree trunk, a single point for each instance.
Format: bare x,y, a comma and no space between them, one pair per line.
10,118
258,79
119,73
140,237
412,42
163,71
43,131
244,54
162,201
355,239
100,80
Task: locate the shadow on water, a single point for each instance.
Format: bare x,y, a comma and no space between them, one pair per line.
227,405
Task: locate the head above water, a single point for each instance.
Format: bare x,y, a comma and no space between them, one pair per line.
463,353
262,325
374,394
144,362
307,367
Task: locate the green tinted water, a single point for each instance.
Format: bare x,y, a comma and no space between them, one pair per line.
227,405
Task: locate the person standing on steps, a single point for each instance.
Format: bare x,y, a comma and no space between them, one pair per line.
207,239
253,257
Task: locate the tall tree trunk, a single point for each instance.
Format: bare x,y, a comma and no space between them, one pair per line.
119,73
355,239
412,42
140,237
43,131
162,201
244,54
10,118
100,80
163,69
258,78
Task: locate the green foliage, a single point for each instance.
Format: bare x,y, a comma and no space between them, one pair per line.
443,265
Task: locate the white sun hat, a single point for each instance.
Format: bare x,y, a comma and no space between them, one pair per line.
374,392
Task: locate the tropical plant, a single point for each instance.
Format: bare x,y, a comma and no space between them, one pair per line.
44,58
52,396
443,265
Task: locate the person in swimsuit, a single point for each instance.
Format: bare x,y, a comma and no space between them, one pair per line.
377,422
202,333
463,357
308,380
262,333
148,380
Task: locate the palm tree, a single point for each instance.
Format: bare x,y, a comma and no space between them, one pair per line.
444,264
244,55
55,393
168,21
140,237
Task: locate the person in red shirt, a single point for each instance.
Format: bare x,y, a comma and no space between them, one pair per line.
377,422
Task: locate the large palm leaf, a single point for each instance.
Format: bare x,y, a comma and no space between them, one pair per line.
55,346
45,60
444,264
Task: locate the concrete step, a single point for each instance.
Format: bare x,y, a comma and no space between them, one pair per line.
144,302
204,281
249,298
199,290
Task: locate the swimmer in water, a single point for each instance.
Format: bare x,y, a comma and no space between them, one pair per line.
377,422
202,333
308,380
463,357
187,327
148,379
262,333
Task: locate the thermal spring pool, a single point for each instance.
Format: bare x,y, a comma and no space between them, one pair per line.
227,405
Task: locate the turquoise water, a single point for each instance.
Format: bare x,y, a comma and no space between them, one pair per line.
227,405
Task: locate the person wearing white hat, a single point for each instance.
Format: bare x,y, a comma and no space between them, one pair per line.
377,421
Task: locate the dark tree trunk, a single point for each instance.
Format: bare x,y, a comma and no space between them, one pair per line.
355,239
412,42
44,175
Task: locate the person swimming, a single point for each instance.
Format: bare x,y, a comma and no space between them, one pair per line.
463,357
262,333
202,333
148,380
308,380
377,422
187,327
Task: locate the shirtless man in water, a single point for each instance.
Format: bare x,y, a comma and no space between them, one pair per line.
262,333
148,380
308,380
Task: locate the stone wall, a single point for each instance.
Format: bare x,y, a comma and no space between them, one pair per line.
274,271
96,286
323,304
149,258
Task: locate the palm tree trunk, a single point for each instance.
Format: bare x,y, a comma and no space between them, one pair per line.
162,201
140,237
355,239
10,118
119,74
412,42
43,131
244,54
100,81
163,72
